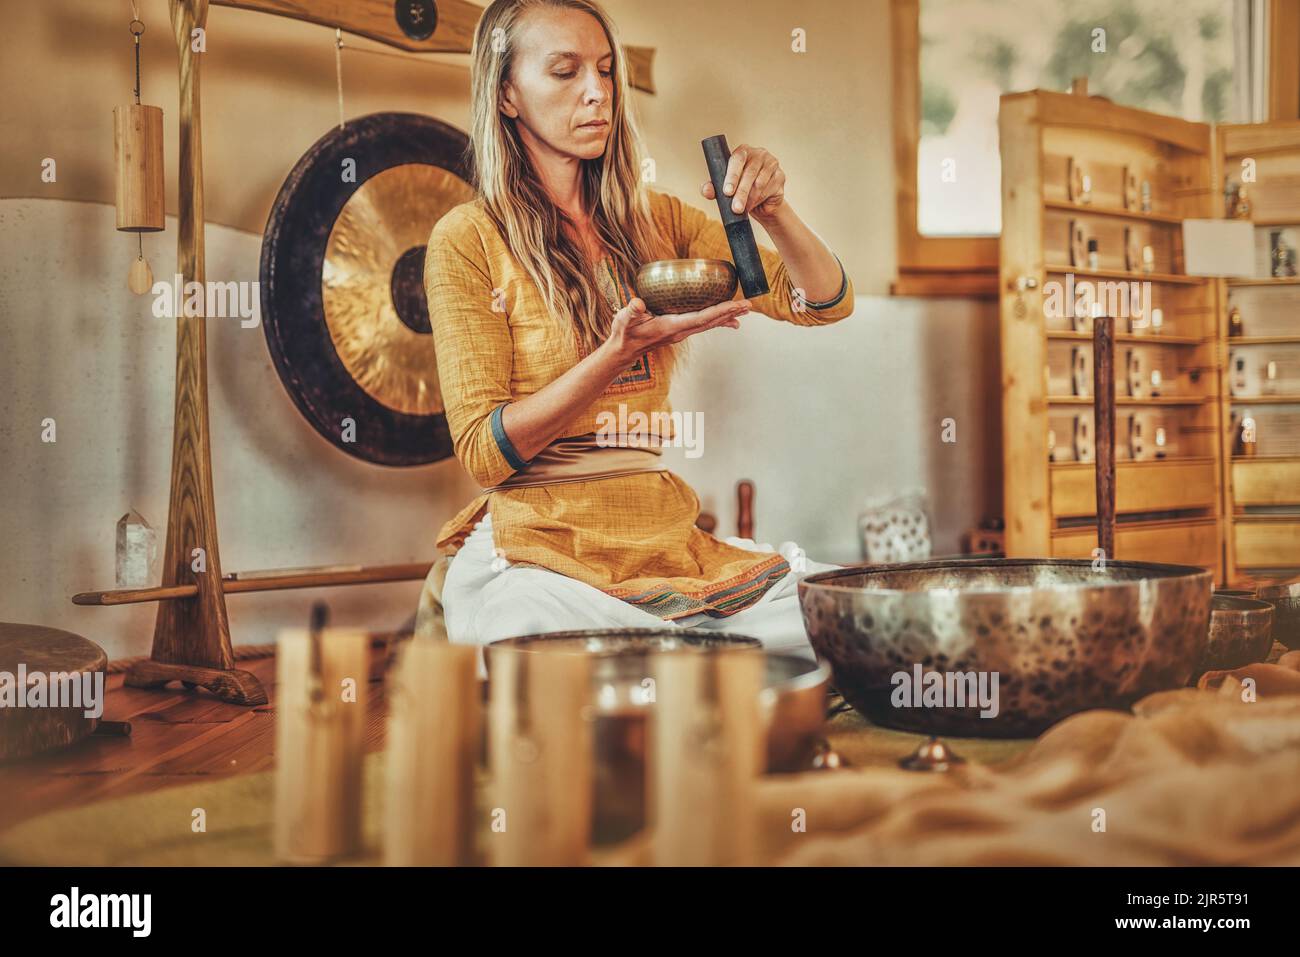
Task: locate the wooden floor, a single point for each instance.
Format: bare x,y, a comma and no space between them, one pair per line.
177,737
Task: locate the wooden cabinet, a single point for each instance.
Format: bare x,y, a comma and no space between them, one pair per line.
1094,196
1261,368
1093,200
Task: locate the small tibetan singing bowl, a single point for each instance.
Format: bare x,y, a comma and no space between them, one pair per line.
1241,633
673,286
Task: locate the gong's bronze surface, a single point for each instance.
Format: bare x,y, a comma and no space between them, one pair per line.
342,282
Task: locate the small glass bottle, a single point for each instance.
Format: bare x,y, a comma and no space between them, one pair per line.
1094,257
1283,257
1237,379
1269,385
1241,203
1235,327
1247,437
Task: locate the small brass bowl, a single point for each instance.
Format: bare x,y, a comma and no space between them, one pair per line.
1285,599
1241,633
673,286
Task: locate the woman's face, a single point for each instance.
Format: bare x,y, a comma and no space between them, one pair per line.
562,80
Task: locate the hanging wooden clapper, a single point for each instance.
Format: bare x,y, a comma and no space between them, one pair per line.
191,640
138,154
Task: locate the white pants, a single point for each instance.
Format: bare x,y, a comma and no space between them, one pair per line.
485,598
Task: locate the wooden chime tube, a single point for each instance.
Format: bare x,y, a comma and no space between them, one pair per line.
434,727
320,708
138,148
540,751
706,742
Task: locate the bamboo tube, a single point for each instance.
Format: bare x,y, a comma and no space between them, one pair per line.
320,711
540,745
705,741
138,148
434,726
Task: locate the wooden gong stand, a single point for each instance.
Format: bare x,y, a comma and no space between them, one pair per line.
191,641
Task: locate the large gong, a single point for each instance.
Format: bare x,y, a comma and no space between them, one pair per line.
342,282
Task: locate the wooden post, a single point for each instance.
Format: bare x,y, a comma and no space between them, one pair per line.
1026,479
191,640
322,682
434,727
706,745
540,746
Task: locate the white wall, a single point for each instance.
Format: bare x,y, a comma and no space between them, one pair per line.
80,348
818,418
821,419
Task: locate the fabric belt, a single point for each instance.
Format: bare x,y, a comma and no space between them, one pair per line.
582,459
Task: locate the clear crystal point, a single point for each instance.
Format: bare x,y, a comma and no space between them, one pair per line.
137,547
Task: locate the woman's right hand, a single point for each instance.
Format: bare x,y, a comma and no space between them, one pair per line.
636,331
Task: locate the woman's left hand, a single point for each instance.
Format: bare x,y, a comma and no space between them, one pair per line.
756,182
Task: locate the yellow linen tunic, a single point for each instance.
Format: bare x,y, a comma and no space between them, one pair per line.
632,536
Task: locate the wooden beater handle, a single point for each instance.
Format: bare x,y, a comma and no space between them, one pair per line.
1103,389
745,508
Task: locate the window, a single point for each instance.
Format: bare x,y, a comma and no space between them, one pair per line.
1205,60
1167,56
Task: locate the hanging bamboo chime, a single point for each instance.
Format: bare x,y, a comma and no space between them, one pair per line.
138,152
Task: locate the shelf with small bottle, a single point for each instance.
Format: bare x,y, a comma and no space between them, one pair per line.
1145,338
1115,212
1173,278
1266,281
1145,400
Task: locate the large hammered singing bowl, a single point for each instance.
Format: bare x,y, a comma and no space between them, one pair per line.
1061,636
673,286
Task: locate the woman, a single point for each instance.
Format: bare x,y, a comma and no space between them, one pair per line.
540,340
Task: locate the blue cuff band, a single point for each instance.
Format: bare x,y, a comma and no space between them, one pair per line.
844,287
503,441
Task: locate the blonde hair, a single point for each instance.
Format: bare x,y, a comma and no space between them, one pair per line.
514,197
